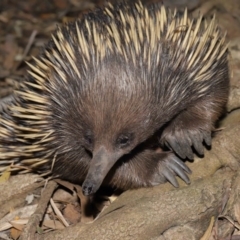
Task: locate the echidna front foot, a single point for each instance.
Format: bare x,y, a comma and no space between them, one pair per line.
182,141
189,130
169,167
147,168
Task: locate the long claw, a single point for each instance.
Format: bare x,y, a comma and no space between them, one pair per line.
198,143
207,138
171,178
170,167
179,167
182,165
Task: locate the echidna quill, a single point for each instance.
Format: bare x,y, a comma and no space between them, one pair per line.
120,97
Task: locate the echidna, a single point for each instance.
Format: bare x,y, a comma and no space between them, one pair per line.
120,97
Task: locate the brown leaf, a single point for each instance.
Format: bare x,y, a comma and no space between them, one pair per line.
72,213
15,233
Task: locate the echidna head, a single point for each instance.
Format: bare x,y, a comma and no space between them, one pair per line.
108,114
116,133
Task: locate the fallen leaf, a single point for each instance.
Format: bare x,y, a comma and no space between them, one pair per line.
5,176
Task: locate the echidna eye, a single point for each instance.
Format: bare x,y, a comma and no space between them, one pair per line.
123,141
88,138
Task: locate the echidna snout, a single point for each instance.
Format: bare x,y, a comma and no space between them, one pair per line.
100,165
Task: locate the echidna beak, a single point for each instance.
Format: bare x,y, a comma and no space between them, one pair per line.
100,165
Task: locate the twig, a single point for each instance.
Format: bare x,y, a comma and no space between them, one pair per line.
30,230
28,47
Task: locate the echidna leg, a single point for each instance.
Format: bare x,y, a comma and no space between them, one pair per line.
148,168
191,128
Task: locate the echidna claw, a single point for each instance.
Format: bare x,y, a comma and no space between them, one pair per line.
170,167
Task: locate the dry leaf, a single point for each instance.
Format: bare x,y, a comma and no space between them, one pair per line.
22,213
208,232
15,233
29,198
5,176
53,224
237,211
71,213
58,213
